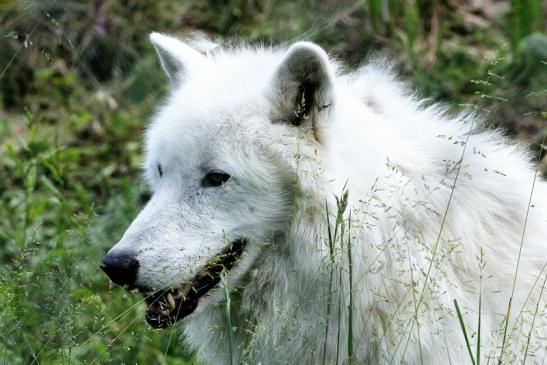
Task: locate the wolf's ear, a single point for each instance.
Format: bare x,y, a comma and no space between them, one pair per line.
202,43
175,56
303,85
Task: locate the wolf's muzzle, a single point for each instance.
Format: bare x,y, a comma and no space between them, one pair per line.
121,268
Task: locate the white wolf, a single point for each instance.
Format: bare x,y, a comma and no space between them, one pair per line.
249,152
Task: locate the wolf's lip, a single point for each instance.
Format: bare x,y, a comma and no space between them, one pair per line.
165,307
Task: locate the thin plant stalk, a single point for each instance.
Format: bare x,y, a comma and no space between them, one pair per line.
412,286
481,267
446,347
228,318
479,326
339,316
341,205
533,320
508,314
329,293
439,235
526,300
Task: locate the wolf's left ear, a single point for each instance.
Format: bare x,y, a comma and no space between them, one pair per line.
176,57
303,85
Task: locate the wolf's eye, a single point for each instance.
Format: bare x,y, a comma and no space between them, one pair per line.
160,170
214,178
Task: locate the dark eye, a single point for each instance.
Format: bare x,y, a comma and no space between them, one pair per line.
214,178
160,170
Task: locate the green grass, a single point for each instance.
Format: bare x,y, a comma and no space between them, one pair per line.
77,85
464,331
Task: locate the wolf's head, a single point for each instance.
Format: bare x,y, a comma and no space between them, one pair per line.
221,159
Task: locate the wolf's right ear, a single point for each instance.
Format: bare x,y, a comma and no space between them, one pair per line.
303,87
176,57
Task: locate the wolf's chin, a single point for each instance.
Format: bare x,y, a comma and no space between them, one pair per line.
167,306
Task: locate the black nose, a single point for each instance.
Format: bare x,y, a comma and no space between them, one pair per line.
121,268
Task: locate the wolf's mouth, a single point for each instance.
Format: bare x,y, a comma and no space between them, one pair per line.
165,307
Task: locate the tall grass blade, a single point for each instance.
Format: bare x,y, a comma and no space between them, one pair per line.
375,13
350,305
479,324
412,21
462,324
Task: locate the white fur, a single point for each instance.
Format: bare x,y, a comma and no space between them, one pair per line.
399,160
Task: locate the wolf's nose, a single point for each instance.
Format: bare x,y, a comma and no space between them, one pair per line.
121,268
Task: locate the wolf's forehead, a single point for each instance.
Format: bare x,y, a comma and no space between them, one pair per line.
198,140
215,108
229,78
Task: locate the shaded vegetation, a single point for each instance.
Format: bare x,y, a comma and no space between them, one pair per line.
78,81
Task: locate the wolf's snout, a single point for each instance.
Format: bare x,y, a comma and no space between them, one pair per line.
121,268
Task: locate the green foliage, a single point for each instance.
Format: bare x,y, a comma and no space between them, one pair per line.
525,19
78,81
66,195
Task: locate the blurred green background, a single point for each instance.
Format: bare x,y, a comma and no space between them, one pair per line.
78,81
